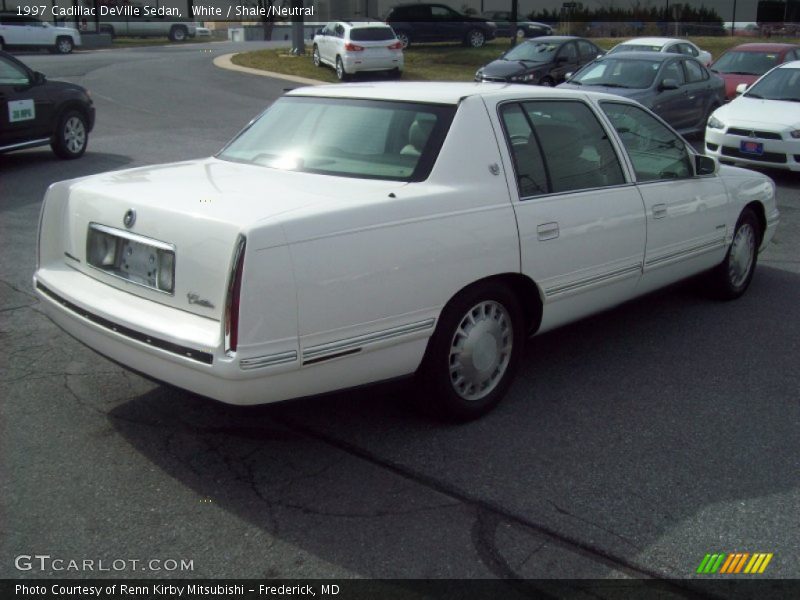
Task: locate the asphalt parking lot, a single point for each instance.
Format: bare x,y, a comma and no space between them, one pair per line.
631,444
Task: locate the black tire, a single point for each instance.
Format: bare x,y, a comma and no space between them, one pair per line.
64,45
404,38
315,56
731,278
341,74
547,82
178,33
475,38
464,379
71,136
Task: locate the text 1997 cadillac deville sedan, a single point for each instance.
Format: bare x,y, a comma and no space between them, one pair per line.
358,233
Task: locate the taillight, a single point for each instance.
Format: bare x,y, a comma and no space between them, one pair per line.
233,296
353,47
398,45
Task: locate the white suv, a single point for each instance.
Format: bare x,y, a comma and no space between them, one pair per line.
351,47
21,32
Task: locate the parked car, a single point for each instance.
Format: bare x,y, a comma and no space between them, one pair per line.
29,33
541,61
522,28
747,62
677,88
671,45
38,112
415,23
353,47
151,25
424,228
762,126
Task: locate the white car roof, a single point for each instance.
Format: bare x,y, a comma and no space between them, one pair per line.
360,24
440,92
652,41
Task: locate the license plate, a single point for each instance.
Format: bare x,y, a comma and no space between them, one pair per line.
132,257
749,147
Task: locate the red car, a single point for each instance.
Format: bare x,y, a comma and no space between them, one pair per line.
747,62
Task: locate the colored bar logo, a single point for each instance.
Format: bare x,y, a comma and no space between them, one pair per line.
737,562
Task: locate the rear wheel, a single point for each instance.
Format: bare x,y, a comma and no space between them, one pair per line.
731,278
341,74
474,352
71,136
404,39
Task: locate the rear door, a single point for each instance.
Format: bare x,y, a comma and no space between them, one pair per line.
445,24
699,91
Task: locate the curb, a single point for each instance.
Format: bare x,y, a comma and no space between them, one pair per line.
224,62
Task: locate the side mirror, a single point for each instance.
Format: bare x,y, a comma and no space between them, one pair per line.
741,89
668,84
38,78
704,165
568,75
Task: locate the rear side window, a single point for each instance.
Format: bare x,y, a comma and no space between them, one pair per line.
694,72
657,153
559,147
371,34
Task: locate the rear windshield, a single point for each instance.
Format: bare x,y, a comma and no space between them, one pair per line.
371,34
371,139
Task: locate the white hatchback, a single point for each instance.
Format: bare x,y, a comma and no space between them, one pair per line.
353,47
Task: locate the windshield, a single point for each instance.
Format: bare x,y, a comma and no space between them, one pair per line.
746,63
350,138
635,48
618,72
532,51
780,84
371,34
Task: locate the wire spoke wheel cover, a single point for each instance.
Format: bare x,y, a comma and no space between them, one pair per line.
480,350
742,253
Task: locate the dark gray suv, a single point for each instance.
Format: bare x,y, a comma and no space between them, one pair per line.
414,23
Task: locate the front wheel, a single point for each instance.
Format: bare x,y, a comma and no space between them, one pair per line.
71,136
733,276
316,58
64,45
475,38
474,352
178,34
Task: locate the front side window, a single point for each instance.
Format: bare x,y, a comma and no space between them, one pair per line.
11,74
694,72
350,138
569,52
656,152
559,146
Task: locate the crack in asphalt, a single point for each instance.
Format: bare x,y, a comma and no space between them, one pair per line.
564,511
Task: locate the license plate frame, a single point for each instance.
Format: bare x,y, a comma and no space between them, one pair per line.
136,259
751,147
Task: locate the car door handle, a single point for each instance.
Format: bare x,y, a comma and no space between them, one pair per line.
547,231
659,211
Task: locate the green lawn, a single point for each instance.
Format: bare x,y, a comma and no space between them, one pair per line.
444,62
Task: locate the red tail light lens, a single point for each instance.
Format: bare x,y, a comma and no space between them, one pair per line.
353,47
396,46
233,297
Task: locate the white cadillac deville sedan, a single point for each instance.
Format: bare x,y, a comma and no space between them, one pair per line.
357,233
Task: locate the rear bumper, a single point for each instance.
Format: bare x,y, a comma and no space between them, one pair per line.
185,350
354,64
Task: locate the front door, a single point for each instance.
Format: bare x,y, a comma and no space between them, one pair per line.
25,109
581,222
